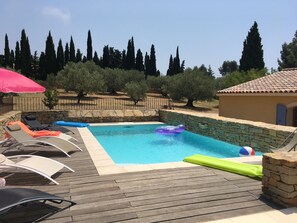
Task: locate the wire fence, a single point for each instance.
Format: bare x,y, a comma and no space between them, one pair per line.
90,103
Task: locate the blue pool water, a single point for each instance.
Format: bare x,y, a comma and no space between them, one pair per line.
139,144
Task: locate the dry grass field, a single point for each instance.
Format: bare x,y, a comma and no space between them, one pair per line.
104,101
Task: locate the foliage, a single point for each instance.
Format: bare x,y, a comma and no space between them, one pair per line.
193,85
82,78
113,80
289,54
252,54
238,77
156,83
132,75
228,67
51,81
136,91
51,98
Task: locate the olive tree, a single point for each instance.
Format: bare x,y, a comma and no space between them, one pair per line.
82,78
116,79
136,91
193,85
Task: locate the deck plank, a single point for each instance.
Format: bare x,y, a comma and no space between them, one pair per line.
190,194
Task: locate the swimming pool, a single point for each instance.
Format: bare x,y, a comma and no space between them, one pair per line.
139,144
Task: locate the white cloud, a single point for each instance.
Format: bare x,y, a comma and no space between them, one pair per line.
57,13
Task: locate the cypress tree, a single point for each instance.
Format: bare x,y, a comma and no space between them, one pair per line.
50,56
96,58
105,57
182,67
153,68
147,69
139,61
60,56
42,73
78,56
25,55
288,54
11,59
115,58
176,63
89,47
66,54
72,51
130,58
124,60
170,66
17,57
35,65
252,54
6,62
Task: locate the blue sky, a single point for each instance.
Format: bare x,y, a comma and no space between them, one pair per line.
207,32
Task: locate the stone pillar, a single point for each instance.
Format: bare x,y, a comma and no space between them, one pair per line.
280,178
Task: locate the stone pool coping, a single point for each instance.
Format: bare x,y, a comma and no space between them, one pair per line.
105,165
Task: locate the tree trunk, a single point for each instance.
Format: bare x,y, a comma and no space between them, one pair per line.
190,103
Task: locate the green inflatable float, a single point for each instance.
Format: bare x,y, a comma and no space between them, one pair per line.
250,170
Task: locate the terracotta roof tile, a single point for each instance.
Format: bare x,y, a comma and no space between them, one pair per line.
284,81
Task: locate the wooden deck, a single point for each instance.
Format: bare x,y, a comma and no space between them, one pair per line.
191,194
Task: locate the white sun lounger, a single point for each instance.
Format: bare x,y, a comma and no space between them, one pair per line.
41,165
21,138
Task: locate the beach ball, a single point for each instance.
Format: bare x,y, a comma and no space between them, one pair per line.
246,151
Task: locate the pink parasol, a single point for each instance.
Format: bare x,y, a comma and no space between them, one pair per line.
11,81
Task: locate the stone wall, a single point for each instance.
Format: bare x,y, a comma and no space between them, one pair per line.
258,135
95,116
280,178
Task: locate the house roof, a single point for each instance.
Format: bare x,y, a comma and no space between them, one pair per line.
284,81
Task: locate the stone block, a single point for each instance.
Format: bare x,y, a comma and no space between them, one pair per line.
275,176
285,187
286,170
288,179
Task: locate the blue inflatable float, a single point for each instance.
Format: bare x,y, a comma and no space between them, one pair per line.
71,124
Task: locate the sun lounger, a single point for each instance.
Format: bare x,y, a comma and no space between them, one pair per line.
41,165
21,138
18,199
41,133
288,146
34,124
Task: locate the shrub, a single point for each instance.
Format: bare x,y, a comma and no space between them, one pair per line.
51,98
